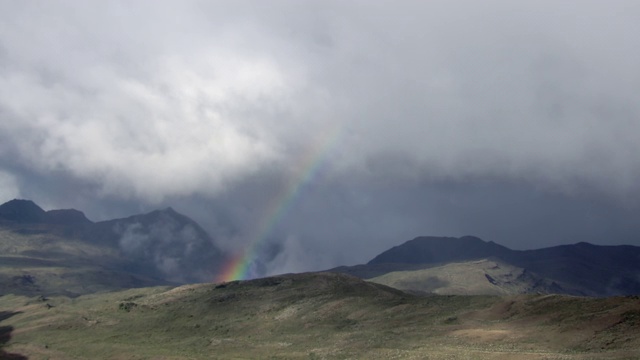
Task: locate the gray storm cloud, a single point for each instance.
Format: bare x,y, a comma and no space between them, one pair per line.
9,187
151,101
161,101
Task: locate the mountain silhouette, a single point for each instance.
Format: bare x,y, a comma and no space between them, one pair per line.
432,250
26,211
22,211
67,217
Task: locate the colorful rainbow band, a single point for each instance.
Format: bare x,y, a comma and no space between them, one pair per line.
240,267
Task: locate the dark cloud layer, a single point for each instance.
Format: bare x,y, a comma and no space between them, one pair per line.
513,121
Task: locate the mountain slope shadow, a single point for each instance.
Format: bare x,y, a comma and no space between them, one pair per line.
581,269
61,252
5,336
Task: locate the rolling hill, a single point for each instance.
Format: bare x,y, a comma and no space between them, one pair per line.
317,316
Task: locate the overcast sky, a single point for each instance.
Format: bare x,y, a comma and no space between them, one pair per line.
515,121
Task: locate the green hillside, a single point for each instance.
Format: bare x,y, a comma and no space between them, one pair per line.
317,316
478,277
35,261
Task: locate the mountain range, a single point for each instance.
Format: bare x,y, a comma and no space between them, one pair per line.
578,269
63,252
73,288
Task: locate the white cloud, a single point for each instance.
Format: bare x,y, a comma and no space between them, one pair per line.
158,100
187,124
176,99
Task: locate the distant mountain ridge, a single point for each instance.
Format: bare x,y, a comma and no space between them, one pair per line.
578,269
167,241
39,248
61,251
22,211
430,250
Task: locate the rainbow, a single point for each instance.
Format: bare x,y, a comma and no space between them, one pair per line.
239,267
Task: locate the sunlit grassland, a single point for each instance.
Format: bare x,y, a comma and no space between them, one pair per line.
318,316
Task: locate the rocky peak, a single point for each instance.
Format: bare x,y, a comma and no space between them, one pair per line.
22,211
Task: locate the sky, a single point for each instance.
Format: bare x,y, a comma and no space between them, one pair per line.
320,133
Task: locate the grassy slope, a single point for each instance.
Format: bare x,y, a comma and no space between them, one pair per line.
318,316
40,262
478,277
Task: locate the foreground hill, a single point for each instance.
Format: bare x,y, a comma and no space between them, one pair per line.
579,269
61,252
318,315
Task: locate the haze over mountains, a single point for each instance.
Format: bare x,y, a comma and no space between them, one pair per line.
306,135
114,271
61,251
